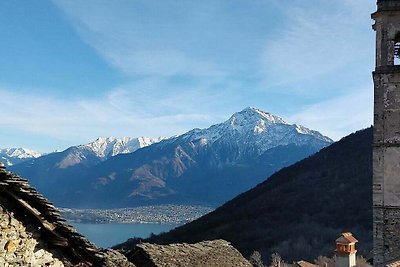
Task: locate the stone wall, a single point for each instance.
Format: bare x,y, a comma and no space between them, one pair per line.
386,166
33,233
21,245
386,234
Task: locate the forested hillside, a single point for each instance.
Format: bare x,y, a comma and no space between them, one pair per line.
300,210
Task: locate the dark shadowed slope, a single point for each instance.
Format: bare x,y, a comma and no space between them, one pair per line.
299,211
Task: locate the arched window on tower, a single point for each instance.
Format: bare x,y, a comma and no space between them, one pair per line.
397,49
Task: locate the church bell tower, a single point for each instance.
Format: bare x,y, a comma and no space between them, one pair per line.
386,146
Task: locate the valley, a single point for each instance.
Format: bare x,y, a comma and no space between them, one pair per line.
124,184
200,167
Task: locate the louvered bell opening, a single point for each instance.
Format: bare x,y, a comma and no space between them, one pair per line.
397,50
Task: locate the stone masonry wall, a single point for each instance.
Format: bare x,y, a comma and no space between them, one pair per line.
386,154
392,232
21,245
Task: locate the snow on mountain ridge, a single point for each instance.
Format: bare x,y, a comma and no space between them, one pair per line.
255,129
101,149
11,156
104,147
20,153
250,114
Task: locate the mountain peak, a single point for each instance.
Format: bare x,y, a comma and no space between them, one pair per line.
250,114
104,139
254,120
255,130
254,110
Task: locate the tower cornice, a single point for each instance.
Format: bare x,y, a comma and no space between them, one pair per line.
387,69
388,5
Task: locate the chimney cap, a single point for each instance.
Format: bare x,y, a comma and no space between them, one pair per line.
346,238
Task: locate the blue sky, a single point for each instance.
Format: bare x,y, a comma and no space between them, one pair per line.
72,71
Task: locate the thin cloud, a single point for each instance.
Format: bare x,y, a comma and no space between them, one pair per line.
160,40
339,116
125,111
318,39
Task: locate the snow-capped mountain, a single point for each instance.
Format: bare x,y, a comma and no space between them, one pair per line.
254,131
105,147
206,166
11,156
83,156
254,126
97,151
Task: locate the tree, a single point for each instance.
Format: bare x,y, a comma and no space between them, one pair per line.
276,260
256,259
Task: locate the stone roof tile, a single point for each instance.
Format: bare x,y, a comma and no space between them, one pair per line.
58,233
203,254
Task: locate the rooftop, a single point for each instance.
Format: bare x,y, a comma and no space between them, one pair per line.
35,209
306,264
346,238
203,254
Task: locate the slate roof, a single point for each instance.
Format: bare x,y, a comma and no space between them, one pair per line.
394,263
58,234
305,264
203,254
346,238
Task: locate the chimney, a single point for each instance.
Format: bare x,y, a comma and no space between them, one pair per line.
345,252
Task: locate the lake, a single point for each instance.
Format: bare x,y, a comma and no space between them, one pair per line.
109,234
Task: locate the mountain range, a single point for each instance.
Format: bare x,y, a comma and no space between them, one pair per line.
12,156
88,154
203,166
100,150
299,211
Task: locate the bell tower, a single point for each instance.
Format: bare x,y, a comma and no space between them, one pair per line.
386,147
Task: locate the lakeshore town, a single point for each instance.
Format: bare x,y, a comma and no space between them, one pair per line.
163,214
